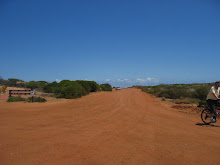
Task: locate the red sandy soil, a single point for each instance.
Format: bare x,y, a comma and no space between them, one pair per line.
4,96
126,127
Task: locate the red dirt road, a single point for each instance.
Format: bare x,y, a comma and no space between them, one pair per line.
126,127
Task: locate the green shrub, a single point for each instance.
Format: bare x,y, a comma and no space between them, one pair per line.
36,99
94,86
106,87
56,90
14,99
182,93
86,85
89,86
51,88
42,84
21,84
202,92
12,82
71,91
32,85
64,83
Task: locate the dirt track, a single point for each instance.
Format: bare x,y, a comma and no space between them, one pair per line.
106,128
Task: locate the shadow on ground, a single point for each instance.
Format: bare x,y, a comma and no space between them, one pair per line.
207,125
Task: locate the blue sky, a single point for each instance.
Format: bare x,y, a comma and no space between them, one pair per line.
123,42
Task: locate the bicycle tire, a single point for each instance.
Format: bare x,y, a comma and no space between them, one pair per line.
205,116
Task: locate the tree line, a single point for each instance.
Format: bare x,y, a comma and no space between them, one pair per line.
64,89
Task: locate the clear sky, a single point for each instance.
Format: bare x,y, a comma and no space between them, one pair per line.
123,42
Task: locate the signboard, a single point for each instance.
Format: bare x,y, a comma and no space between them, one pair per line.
32,93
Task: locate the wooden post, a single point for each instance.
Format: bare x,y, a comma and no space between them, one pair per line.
9,93
32,94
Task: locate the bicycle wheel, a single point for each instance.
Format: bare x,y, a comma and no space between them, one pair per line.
205,115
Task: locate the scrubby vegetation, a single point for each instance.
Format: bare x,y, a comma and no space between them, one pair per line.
2,81
64,89
74,89
18,98
90,86
3,88
32,85
180,93
106,87
12,82
71,89
15,99
37,99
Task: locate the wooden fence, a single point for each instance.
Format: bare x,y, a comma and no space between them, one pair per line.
19,92
22,92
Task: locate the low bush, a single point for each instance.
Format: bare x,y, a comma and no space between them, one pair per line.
32,85
106,87
21,84
94,86
14,99
42,84
36,84
36,99
182,93
86,85
71,89
89,86
12,82
202,91
52,88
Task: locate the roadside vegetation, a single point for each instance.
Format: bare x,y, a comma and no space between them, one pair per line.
71,89
15,99
18,98
64,89
106,87
180,93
